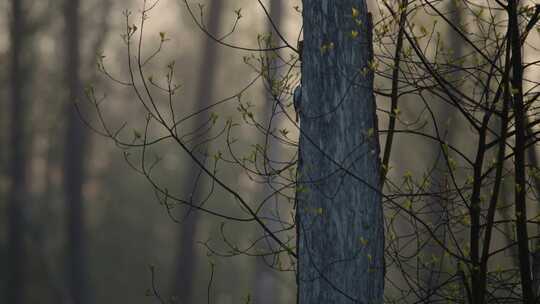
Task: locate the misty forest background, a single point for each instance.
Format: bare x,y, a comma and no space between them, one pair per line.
125,228
123,231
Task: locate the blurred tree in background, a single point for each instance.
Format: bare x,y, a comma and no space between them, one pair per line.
187,256
74,155
17,197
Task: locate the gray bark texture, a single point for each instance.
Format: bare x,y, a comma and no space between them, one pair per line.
339,210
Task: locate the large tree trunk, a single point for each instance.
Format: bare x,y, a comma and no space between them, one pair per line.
184,276
339,211
17,195
74,152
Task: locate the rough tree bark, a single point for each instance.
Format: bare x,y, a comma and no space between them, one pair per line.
184,276
339,211
74,155
17,199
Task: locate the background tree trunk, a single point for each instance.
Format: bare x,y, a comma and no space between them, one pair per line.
187,261
265,291
440,178
74,155
17,193
339,211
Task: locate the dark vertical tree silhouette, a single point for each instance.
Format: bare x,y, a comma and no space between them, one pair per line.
18,190
75,145
519,157
535,258
339,210
187,261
